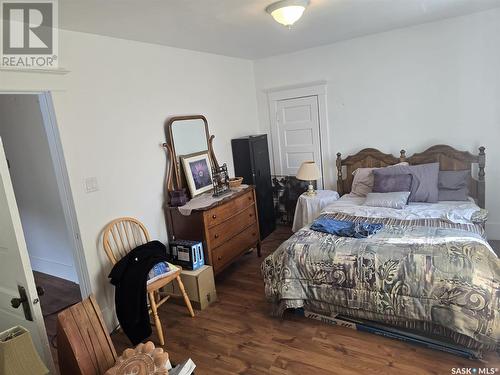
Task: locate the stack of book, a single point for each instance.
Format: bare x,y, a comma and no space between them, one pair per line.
185,368
391,332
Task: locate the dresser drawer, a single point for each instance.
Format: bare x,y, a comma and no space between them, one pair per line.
223,232
225,253
221,213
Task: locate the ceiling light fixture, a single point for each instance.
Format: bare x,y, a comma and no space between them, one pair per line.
287,12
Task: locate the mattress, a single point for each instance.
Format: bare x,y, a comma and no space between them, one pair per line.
452,211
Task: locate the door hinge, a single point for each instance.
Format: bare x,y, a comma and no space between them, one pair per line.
77,235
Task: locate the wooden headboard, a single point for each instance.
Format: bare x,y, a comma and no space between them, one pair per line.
448,157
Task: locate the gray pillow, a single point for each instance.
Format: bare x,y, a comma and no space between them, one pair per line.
453,185
391,183
391,200
424,185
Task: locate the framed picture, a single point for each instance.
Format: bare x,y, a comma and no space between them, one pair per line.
198,172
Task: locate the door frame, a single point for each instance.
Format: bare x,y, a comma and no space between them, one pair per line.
63,185
319,90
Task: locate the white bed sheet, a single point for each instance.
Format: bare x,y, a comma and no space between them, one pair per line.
455,212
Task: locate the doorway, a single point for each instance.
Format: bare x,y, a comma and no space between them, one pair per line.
39,178
299,130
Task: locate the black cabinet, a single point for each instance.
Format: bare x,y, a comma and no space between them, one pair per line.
251,161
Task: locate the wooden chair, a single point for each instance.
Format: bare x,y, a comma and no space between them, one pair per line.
84,346
126,233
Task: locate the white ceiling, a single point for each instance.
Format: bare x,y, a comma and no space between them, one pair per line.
242,28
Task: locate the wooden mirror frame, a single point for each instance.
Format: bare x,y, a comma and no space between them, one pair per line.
174,174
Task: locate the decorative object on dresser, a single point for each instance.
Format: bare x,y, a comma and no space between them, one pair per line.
309,171
251,161
220,179
178,197
198,172
226,225
235,182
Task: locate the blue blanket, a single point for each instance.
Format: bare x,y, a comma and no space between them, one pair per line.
344,228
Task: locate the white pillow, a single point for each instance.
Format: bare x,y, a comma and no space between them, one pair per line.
362,183
390,200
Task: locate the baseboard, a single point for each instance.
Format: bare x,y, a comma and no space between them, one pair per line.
493,231
64,271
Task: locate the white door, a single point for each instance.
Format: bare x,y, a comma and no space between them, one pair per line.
15,270
298,134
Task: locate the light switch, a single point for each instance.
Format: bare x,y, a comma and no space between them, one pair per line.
91,184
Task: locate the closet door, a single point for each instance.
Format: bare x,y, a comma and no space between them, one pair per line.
298,134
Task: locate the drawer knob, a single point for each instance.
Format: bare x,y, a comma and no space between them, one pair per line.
219,258
249,198
214,216
251,215
216,236
253,234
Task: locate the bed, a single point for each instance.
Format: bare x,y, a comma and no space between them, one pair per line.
429,270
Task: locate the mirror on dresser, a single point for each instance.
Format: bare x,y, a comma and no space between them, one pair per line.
186,135
227,224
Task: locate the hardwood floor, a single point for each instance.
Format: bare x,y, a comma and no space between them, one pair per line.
59,293
236,335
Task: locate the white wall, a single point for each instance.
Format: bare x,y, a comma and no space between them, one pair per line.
111,109
409,88
33,177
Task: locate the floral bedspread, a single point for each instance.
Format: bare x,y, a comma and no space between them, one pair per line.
436,278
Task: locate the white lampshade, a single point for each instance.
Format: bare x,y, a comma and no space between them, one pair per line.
287,12
308,171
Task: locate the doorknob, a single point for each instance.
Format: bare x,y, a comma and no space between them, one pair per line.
22,300
16,302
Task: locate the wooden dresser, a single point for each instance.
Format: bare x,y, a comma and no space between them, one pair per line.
227,228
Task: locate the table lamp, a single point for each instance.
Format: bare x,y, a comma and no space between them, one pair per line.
309,171
18,355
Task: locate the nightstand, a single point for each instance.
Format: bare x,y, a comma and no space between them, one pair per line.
309,207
